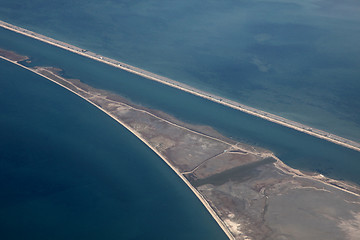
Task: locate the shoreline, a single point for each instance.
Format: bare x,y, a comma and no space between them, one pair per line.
186,88
221,221
212,212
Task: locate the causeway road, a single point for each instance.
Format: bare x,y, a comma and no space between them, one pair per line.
184,87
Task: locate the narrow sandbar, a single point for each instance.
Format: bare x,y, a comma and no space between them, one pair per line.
170,82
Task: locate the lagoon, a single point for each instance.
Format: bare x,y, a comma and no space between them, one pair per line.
69,171
296,149
294,59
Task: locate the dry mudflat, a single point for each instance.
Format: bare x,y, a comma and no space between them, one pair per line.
254,195
12,55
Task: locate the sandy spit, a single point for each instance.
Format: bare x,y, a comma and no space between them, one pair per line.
193,189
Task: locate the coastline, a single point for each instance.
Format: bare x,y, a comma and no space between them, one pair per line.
226,102
197,193
226,224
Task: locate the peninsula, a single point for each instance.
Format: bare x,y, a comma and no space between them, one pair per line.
249,191
170,82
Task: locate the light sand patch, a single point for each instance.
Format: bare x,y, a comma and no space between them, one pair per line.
233,226
351,227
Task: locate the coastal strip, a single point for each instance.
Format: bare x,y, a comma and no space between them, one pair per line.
202,158
184,87
206,204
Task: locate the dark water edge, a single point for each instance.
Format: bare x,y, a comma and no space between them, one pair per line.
237,174
296,149
68,171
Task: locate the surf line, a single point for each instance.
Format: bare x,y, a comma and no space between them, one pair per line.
186,88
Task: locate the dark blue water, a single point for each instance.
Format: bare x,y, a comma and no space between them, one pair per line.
59,181
299,59
67,171
294,148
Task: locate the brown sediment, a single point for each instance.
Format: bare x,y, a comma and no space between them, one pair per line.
12,55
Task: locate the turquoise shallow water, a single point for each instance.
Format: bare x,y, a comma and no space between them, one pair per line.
299,59
67,171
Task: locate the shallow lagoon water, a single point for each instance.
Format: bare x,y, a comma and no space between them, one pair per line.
294,148
273,73
298,59
68,171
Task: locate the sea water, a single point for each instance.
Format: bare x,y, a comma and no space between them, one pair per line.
296,149
298,59
68,171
